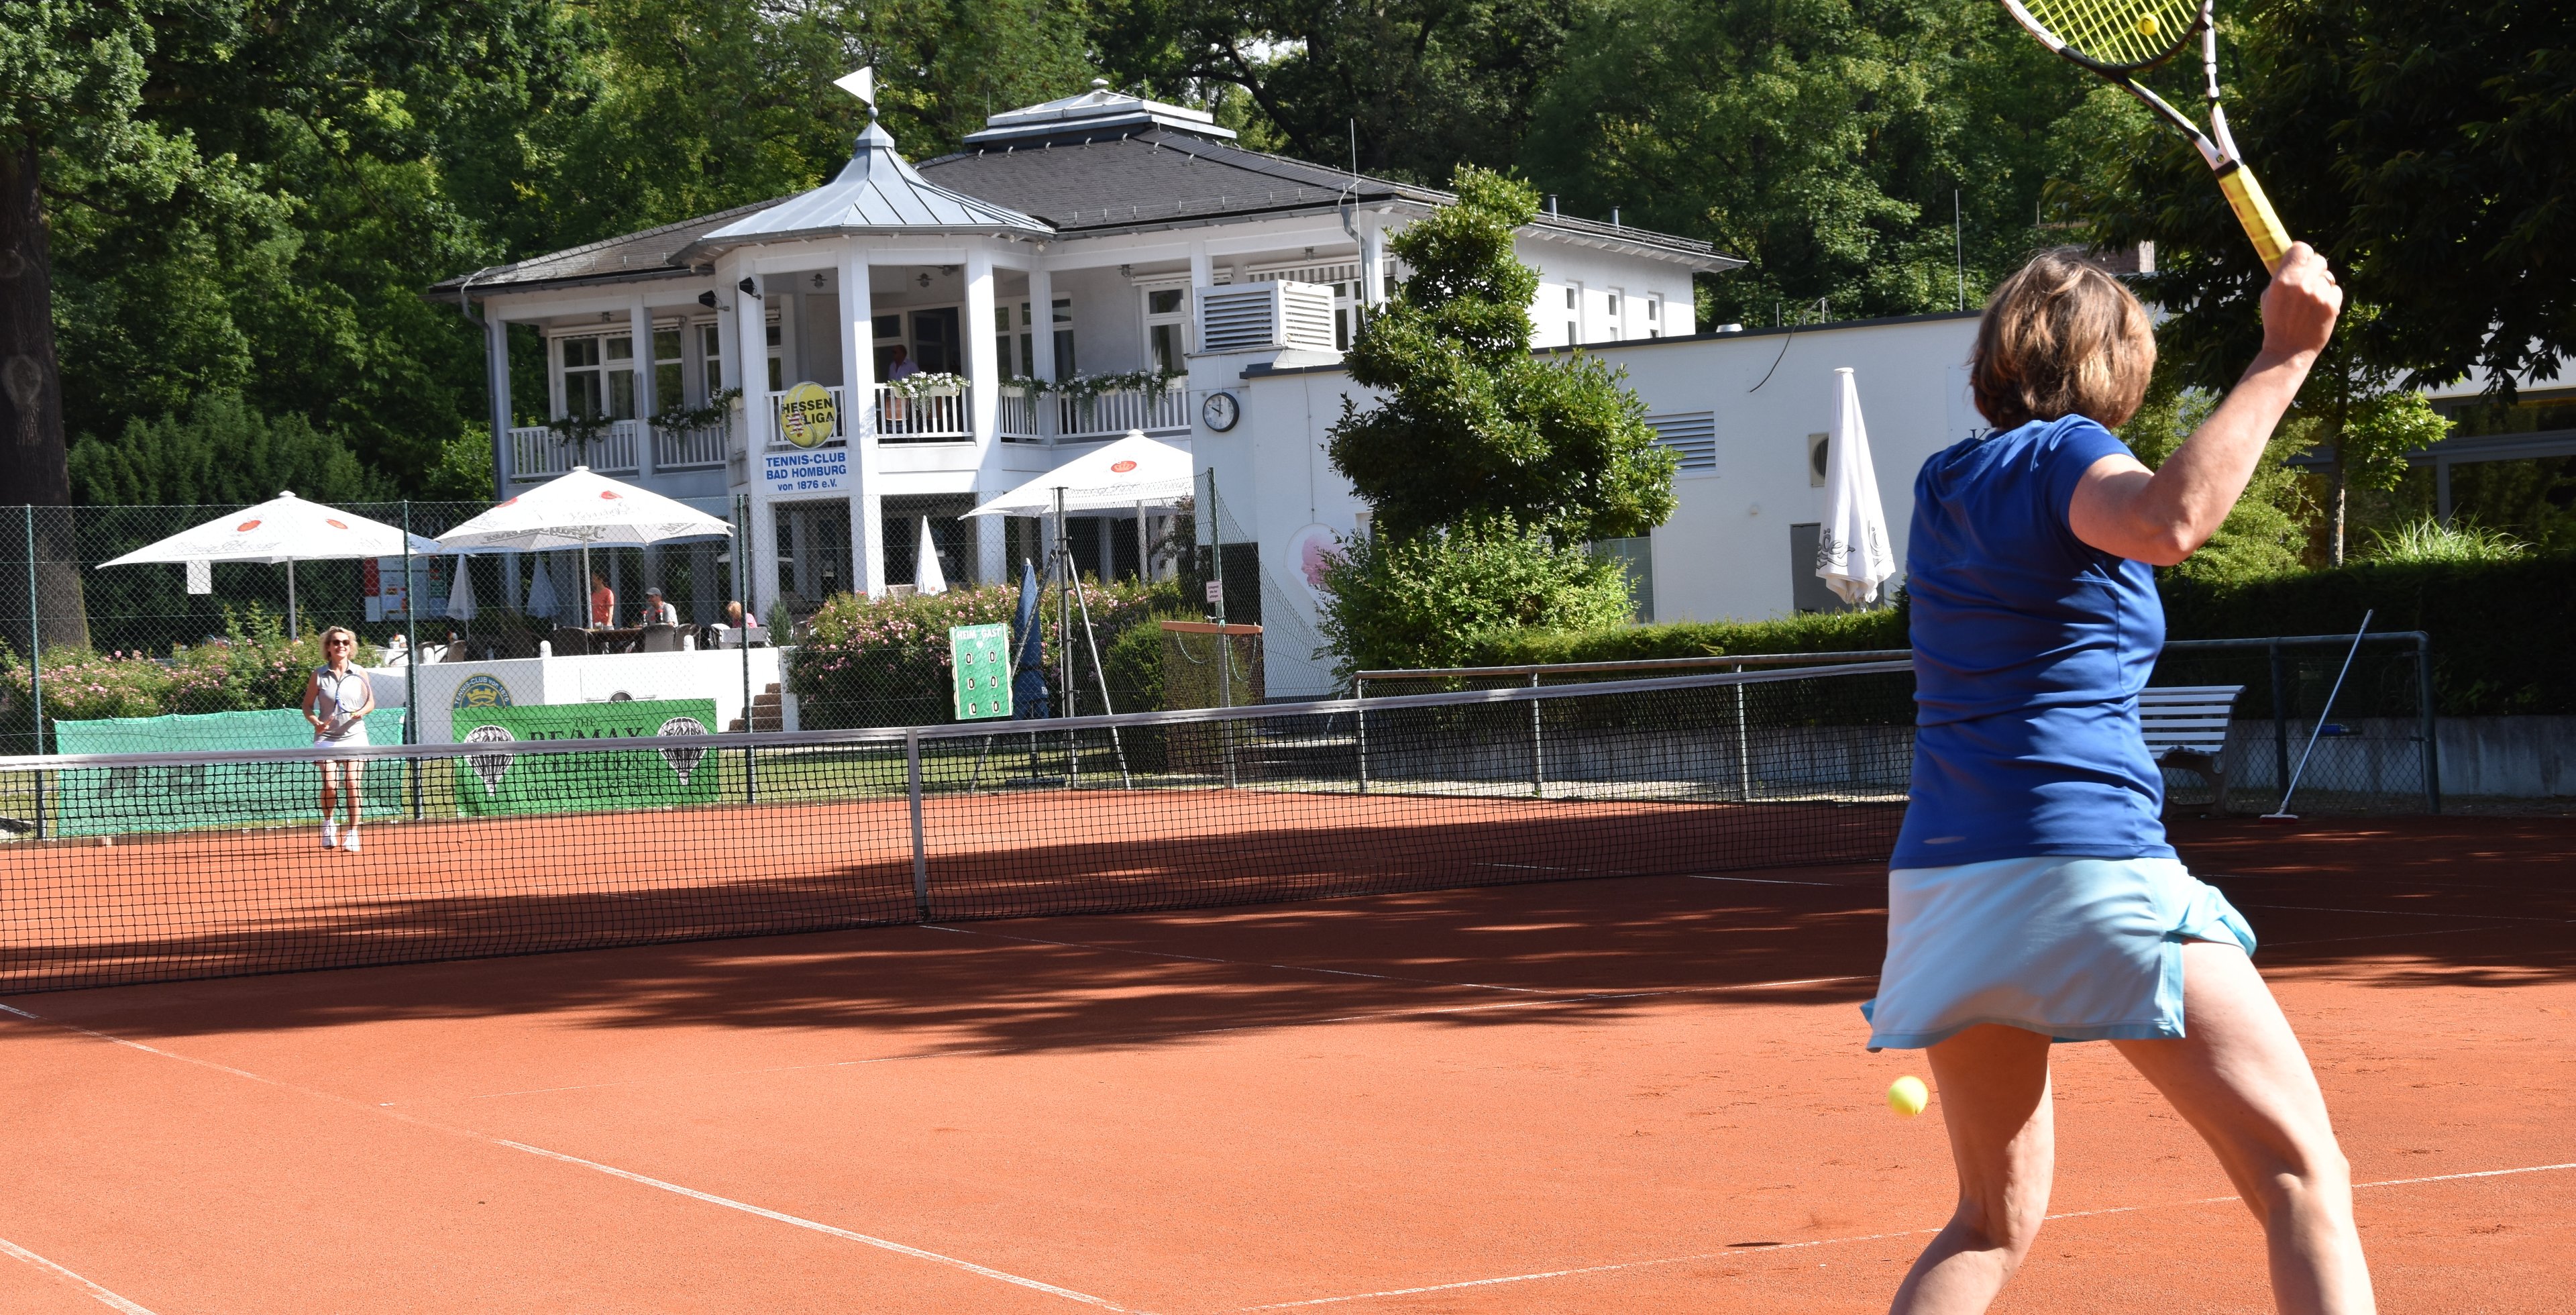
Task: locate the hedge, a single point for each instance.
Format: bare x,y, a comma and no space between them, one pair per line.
2504,633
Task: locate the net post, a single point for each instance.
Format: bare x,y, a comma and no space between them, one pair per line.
35,665
1538,748
920,854
411,664
2430,728
2280,720
1743,747
1359,690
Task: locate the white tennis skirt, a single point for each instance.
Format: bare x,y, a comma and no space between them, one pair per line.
2077,949
353,738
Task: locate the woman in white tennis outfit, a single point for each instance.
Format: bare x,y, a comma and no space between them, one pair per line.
337,700
2032,898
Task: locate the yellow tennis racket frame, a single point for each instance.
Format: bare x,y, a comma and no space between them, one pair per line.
2119,39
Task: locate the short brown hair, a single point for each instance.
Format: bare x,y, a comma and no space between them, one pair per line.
2062,338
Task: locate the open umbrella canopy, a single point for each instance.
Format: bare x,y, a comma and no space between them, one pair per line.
1852,552
578,510
1133,470
285,528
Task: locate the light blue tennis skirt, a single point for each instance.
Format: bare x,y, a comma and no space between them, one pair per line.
2080,949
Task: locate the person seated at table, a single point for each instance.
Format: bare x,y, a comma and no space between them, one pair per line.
603,601
733,613
656,612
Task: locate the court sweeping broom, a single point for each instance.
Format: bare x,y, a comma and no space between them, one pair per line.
2284,814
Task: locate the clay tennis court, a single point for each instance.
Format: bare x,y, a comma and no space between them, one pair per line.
1621,1094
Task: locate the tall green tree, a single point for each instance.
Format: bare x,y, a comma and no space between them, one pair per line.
221,451
1474,427
1885,156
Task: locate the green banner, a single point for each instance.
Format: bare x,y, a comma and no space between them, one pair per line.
979,663
118,800
493,784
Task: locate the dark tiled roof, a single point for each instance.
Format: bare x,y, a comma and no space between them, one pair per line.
655,251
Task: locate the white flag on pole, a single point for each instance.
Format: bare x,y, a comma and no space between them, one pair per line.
1852,556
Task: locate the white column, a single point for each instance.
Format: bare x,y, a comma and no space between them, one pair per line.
1372,261
858,422
751,354
1202,275
983,364
496,369
641,321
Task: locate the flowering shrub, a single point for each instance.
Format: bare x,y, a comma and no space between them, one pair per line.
885,663
253,666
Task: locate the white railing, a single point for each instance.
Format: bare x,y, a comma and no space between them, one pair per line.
779,428
1112,414
537,452
691,449
945,417
1020,418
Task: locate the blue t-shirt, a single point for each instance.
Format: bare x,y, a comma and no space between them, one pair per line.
2030,648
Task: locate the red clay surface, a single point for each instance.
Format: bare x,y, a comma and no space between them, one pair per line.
1614,1095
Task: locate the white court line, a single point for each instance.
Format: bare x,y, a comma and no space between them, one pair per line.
1840,1241
416,1121
103,1296
1773,881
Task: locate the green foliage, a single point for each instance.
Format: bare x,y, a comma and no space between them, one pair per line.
1809,632
2266,532
254,666
2429,540
1474,428
2402,140
1429,601
885,663
1823,140
464,469
2500,639
2382,430
222,452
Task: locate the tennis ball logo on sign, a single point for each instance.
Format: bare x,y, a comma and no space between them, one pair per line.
489,766
683,761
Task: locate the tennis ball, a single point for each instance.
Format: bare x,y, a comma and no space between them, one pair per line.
2147,25
1906,1095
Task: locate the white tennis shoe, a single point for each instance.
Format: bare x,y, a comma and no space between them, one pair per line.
351,843
331,835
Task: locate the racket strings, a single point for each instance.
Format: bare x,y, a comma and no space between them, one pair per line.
2125,33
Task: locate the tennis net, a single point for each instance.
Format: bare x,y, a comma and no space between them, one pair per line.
143,867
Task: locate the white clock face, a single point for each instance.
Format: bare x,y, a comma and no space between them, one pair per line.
1220,410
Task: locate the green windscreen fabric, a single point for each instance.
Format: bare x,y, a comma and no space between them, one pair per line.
109,800
493,784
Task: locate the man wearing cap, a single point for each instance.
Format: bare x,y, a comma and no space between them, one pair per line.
657,612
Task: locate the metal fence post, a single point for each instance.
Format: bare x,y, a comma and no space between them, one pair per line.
2431,726
1743,746
1538,749
35,665
920,854
1359,690
411,663
2280,723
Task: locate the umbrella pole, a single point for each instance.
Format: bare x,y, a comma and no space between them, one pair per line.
583,588
411,662
292,630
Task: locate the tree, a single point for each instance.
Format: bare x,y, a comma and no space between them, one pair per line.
1474,428
1487,470
1826,141
223,451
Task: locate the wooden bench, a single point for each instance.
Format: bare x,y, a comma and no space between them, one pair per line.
2186,727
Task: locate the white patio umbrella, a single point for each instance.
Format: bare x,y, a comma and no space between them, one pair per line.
576,510
541,588
460,591
1852,556
1132,471
927,578
285,529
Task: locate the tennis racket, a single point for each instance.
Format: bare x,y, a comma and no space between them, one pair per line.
2120,39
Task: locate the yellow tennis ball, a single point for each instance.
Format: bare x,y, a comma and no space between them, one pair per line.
2147,25
1907,1095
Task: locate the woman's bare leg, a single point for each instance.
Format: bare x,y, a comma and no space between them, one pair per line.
1993,1082
349,788
328,796
2240,1078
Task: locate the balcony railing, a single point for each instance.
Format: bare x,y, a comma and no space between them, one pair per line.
1021,415
691,449
943,417
537,452
1112,414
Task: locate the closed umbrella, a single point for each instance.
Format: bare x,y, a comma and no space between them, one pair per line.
541,588
460,592
1852,556
284,529
927,578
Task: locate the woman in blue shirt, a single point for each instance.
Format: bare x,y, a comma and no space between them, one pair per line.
2032,897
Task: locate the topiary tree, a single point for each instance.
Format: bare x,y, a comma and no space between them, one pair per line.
1487,469
1474,428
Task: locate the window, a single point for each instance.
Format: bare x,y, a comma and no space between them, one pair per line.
1610,311
777,359
711,358
1167,327
1573,314
669,375
620,369
1002,339
1654,317
1063,320
583,393
885,333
